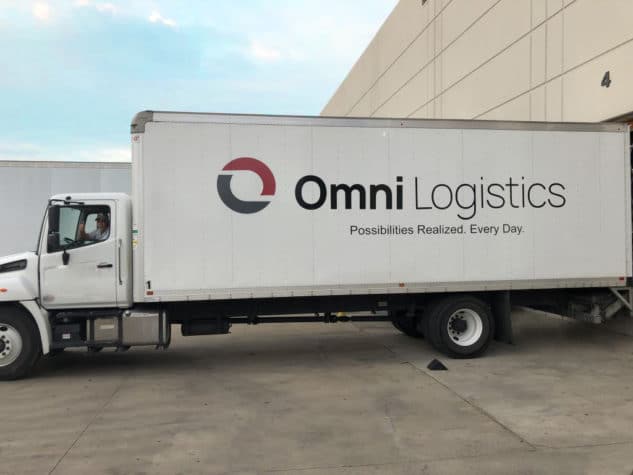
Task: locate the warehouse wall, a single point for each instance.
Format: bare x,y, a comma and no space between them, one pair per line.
26,186
495,59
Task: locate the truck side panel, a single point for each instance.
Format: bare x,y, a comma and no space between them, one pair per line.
368,210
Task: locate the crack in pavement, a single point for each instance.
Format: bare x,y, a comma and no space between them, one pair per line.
582,446
532,447
477,408
90,422
404,462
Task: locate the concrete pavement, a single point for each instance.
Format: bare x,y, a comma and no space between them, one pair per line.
322,399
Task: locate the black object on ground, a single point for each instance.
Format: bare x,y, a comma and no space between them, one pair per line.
436,365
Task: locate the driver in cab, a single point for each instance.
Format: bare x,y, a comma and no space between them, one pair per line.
100,234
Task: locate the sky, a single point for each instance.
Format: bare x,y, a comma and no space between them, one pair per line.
74,72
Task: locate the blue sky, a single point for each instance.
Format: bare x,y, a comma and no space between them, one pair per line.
74,72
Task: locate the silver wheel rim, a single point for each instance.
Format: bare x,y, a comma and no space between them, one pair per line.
10,344
465,327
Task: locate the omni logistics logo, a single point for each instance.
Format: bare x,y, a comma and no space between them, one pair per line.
246,164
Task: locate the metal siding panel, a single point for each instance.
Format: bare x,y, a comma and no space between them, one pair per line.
74,180
24,193
31,184
116,180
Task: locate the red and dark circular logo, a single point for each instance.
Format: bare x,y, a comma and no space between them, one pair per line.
252,165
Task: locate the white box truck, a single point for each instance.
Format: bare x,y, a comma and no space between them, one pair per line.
436,225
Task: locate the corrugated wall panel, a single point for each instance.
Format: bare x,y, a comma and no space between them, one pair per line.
507,59
26,186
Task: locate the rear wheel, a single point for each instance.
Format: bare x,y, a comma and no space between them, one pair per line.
20,346
460,326
407,325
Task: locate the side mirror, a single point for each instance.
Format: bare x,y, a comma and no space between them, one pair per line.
65,257
53,242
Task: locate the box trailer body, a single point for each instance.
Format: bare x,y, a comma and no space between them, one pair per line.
438,224
375,206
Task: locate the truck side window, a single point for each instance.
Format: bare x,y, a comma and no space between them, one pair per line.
91,223
77,226
96,224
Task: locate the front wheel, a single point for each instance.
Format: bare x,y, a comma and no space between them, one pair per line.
460,326
20,346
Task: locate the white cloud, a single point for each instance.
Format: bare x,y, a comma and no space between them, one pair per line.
156,17
106,7
263,53
41,11
21,152
100,7
105,155
318,33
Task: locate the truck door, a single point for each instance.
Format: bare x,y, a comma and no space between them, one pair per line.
78,265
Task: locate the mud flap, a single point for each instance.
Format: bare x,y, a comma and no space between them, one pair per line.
502,312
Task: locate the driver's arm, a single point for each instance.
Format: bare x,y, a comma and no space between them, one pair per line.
82,232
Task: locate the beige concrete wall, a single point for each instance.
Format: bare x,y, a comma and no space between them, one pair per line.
495,59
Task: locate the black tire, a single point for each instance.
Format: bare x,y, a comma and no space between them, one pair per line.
14,321
407,325
423,324
460,326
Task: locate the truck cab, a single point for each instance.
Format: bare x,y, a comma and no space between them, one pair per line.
74,289
84,256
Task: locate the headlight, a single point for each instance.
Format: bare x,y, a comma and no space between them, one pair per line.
13,266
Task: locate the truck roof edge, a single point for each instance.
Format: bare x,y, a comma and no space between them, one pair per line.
139,121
